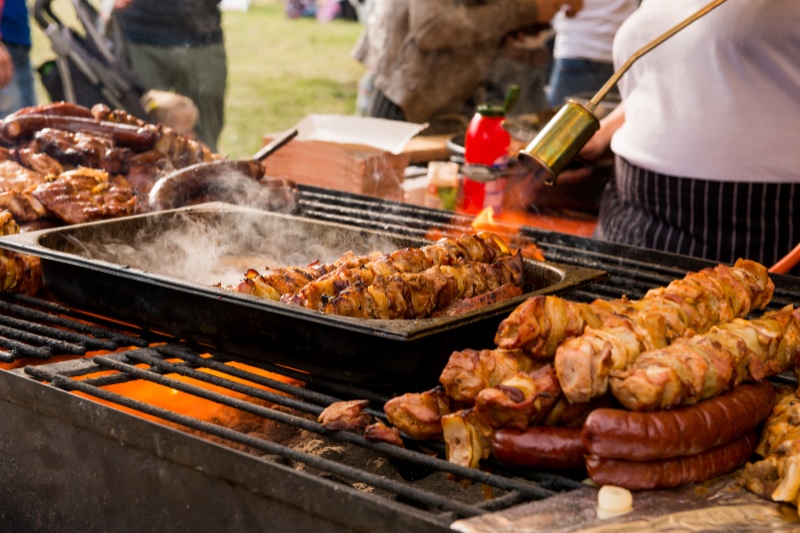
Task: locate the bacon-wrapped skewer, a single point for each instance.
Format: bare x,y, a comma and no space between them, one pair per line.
484,247
692,304
419,414
417,295
705,365
280,281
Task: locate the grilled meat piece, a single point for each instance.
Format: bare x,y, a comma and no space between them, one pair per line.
383,433
85,195
520,401
467,438
346,416
692,304
81,149
19,273
419,414
469,371
481,248
417,295
705,365
777,476
17,184
541,323
280,282
504,292
38,161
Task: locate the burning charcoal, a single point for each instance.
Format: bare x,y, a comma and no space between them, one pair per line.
346,416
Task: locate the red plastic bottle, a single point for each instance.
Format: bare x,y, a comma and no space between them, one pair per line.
486,141
486,144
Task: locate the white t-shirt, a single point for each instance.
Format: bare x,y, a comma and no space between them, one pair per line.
590,33
720,100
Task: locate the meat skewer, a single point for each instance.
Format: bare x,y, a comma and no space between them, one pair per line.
705,365
692,304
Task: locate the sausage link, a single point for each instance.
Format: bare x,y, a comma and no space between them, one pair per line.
62,109
543,447
621,434
180,187
668,473
125,135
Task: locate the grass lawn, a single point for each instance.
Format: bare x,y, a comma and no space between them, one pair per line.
279,70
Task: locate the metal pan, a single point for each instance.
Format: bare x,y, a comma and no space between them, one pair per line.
141,269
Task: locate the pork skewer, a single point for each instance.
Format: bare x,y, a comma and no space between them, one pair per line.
705,365
690,305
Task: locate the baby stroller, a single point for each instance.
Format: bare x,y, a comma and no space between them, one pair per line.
90,67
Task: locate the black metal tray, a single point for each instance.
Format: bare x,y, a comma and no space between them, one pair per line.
150,270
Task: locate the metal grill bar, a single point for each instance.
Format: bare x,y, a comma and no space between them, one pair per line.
520,491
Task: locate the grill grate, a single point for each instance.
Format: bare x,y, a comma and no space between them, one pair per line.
161,363
35,328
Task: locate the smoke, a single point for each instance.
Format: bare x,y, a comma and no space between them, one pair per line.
216,244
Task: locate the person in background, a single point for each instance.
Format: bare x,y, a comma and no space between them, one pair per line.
16,72
705,139
429,56
582,61
177,45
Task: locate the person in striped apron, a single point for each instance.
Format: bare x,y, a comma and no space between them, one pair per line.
706,140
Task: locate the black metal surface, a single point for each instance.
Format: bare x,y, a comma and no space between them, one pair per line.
162,365
388,353
40,329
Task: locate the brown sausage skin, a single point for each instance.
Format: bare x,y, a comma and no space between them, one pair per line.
541,447
63,109
25,126
180,187
621,434
668,473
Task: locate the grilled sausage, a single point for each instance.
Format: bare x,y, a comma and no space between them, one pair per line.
503,292
62,109
542,447
668,473
182,186
621,434
25,126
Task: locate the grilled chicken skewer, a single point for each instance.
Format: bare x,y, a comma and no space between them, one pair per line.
690,305
705,365
481,248
417,295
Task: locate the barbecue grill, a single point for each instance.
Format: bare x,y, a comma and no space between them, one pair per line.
85,448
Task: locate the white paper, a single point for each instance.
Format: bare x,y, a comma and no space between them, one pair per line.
388,135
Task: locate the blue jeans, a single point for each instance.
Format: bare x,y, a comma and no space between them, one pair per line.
20,91
575,76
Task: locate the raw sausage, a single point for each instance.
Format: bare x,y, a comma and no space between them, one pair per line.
668,473
617,433
542,447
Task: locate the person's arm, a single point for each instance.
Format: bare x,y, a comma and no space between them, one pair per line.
600,142
437,24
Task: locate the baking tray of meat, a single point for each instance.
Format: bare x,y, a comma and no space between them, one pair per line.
216,274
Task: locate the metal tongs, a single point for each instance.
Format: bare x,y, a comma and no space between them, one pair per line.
563,137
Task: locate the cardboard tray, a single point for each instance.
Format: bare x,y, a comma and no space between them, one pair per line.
150,270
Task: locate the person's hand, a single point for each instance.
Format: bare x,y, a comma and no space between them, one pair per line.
122,4
6,66
549,8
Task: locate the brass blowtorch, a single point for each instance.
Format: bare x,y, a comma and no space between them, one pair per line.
571,128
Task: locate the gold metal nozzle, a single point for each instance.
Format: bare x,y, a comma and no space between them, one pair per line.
572,127
559,141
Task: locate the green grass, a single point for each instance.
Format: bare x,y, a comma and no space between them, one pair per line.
279,70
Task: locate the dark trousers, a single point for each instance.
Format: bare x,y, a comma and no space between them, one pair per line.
721,221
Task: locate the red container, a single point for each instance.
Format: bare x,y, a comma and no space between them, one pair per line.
486,141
